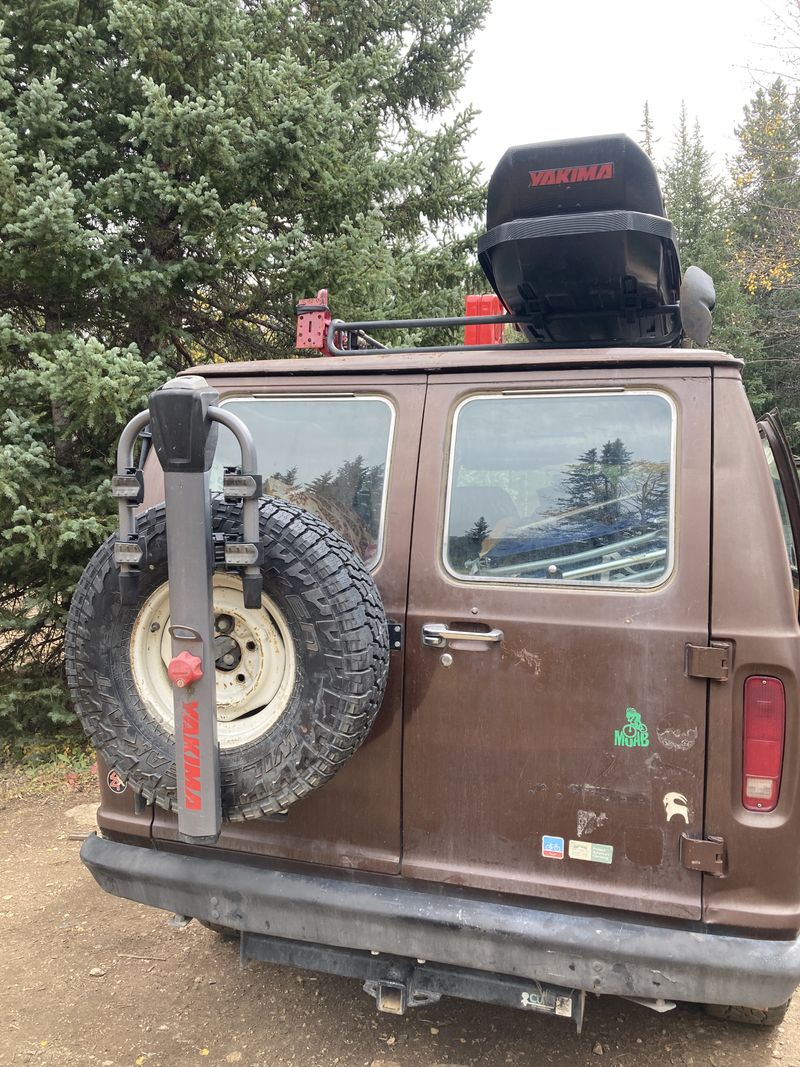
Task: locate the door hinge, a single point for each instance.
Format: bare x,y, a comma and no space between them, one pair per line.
713,660
395,635
707,855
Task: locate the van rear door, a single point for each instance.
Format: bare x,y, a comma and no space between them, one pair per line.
345,449
754,607
554,744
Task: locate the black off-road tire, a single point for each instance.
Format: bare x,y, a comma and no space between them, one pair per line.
338,627
731,1013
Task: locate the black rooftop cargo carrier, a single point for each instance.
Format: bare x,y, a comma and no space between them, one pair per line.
578,243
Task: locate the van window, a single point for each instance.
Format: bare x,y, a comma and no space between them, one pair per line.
329,456
562,488
788,539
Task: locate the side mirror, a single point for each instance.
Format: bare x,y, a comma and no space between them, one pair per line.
698,297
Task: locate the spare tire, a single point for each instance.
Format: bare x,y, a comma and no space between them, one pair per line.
299,680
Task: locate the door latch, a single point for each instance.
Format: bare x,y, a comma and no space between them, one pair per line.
712,661
707,855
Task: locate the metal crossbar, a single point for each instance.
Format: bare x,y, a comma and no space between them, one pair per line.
337,329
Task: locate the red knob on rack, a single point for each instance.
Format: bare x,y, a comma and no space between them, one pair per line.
184,669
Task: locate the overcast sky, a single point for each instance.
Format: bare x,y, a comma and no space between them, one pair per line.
545,69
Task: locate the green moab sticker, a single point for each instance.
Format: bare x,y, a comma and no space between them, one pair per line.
634,733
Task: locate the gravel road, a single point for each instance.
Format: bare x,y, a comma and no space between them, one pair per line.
88,979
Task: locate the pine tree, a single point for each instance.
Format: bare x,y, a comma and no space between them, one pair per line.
615,462
606,487
287,477
592,487
579,486
479,532
647,139
691,190
698,205
174,175
766,234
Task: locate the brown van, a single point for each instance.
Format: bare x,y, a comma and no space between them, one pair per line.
505,642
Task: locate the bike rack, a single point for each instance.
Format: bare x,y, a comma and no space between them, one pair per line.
184,420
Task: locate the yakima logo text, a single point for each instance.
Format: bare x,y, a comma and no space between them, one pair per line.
595,172
191,757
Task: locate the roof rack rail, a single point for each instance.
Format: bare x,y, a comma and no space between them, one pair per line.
318,330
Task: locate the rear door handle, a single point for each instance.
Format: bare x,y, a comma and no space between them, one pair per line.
437,634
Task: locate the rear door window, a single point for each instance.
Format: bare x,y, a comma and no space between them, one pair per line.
327,455
562,488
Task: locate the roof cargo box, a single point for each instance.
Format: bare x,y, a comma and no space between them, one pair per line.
578,242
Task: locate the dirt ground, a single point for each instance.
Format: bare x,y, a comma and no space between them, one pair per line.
88,979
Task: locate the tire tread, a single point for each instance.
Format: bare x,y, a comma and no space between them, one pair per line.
329,590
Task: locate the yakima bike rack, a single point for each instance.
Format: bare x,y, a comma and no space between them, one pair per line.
183,419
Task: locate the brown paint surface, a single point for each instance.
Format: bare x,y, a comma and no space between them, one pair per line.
752,606
481,736
354,821
515,741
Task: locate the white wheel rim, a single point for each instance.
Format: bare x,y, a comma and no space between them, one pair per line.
254,684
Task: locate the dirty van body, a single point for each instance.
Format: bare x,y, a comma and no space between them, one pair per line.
570,733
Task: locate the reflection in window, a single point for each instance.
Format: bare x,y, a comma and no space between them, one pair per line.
562,488
327,456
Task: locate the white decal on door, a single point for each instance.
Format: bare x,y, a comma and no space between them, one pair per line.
676,804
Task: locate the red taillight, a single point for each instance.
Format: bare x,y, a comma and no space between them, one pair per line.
763,727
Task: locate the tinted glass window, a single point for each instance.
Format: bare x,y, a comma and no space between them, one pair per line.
562,488
791,551
327,456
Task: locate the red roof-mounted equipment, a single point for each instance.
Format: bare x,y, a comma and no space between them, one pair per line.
313,320
484,304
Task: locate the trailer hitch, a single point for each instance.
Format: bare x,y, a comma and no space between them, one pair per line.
184,420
